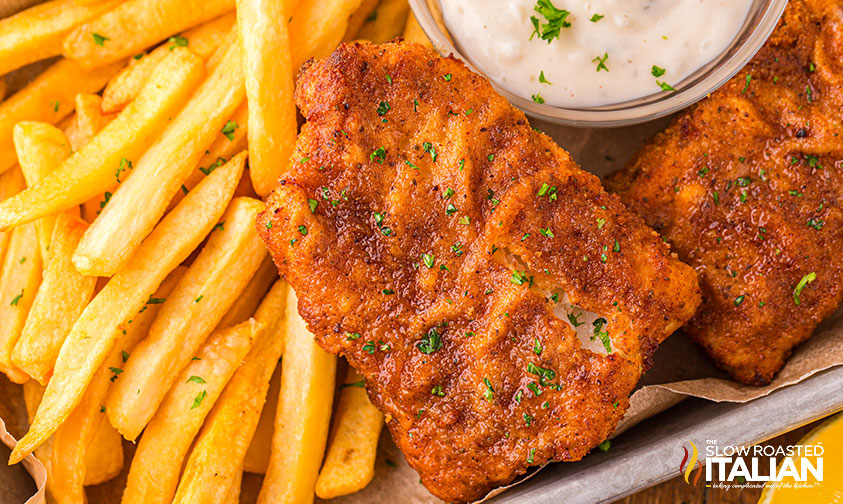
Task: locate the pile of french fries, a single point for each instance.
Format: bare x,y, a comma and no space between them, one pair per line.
136,300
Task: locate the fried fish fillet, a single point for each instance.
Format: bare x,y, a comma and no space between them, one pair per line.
747,187
457,258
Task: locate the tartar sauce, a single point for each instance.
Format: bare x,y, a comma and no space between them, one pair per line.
585,53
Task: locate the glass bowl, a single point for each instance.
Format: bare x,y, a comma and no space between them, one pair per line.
762,18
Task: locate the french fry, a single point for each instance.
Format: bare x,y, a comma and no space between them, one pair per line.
303,417
92,336
19,281
318,26
154,473
41,147
141,200
366,12
38,32
61,298
234,492
269,88
48,98
216,460
413,31
219,152
72,439
11,183
249,300
350,460
215,279
106,39
388,23
126,85
257,456
92,169
88,120
104,457
32,394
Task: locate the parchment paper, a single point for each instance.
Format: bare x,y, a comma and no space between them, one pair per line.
680,368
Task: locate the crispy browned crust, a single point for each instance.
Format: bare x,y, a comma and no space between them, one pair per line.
771,151
357,274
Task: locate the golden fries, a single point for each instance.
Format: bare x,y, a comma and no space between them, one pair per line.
48,99
105,40
366,12
61,298
303,417
413,32
41,148
92,337
350,460
388,22
125,86
318,26
94,168
11,183
142,199
216,460
88,120
269,87
72,439
223,147
257,456
217,276
19,281
104,456
249,300
154,472
38,32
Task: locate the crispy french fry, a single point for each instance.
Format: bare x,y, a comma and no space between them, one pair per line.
48,98
61,298
141,200
41,147
215,279
19,281
72,439
11,183
38,32
234,492
413,31
88,120
303,417
154,473
249,300
104,457
318,27
269,87
125,86
257,456
219,152
106,39
216,460
366,12
32,394
388,23
92,170
92,336
350,460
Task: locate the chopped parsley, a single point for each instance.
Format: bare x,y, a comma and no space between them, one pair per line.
657,71
596,17
195,379
489,393
538,98
228,129
430,343
378,155
197,401
99,39
177,41
428,260
542,78
430,149
665,86
746,86
16,299
739,299
810,277
601,62
555,20
125,165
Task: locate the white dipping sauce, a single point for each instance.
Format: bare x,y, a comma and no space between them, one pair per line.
678,36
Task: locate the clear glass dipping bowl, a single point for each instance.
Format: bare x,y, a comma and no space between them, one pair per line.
762,18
